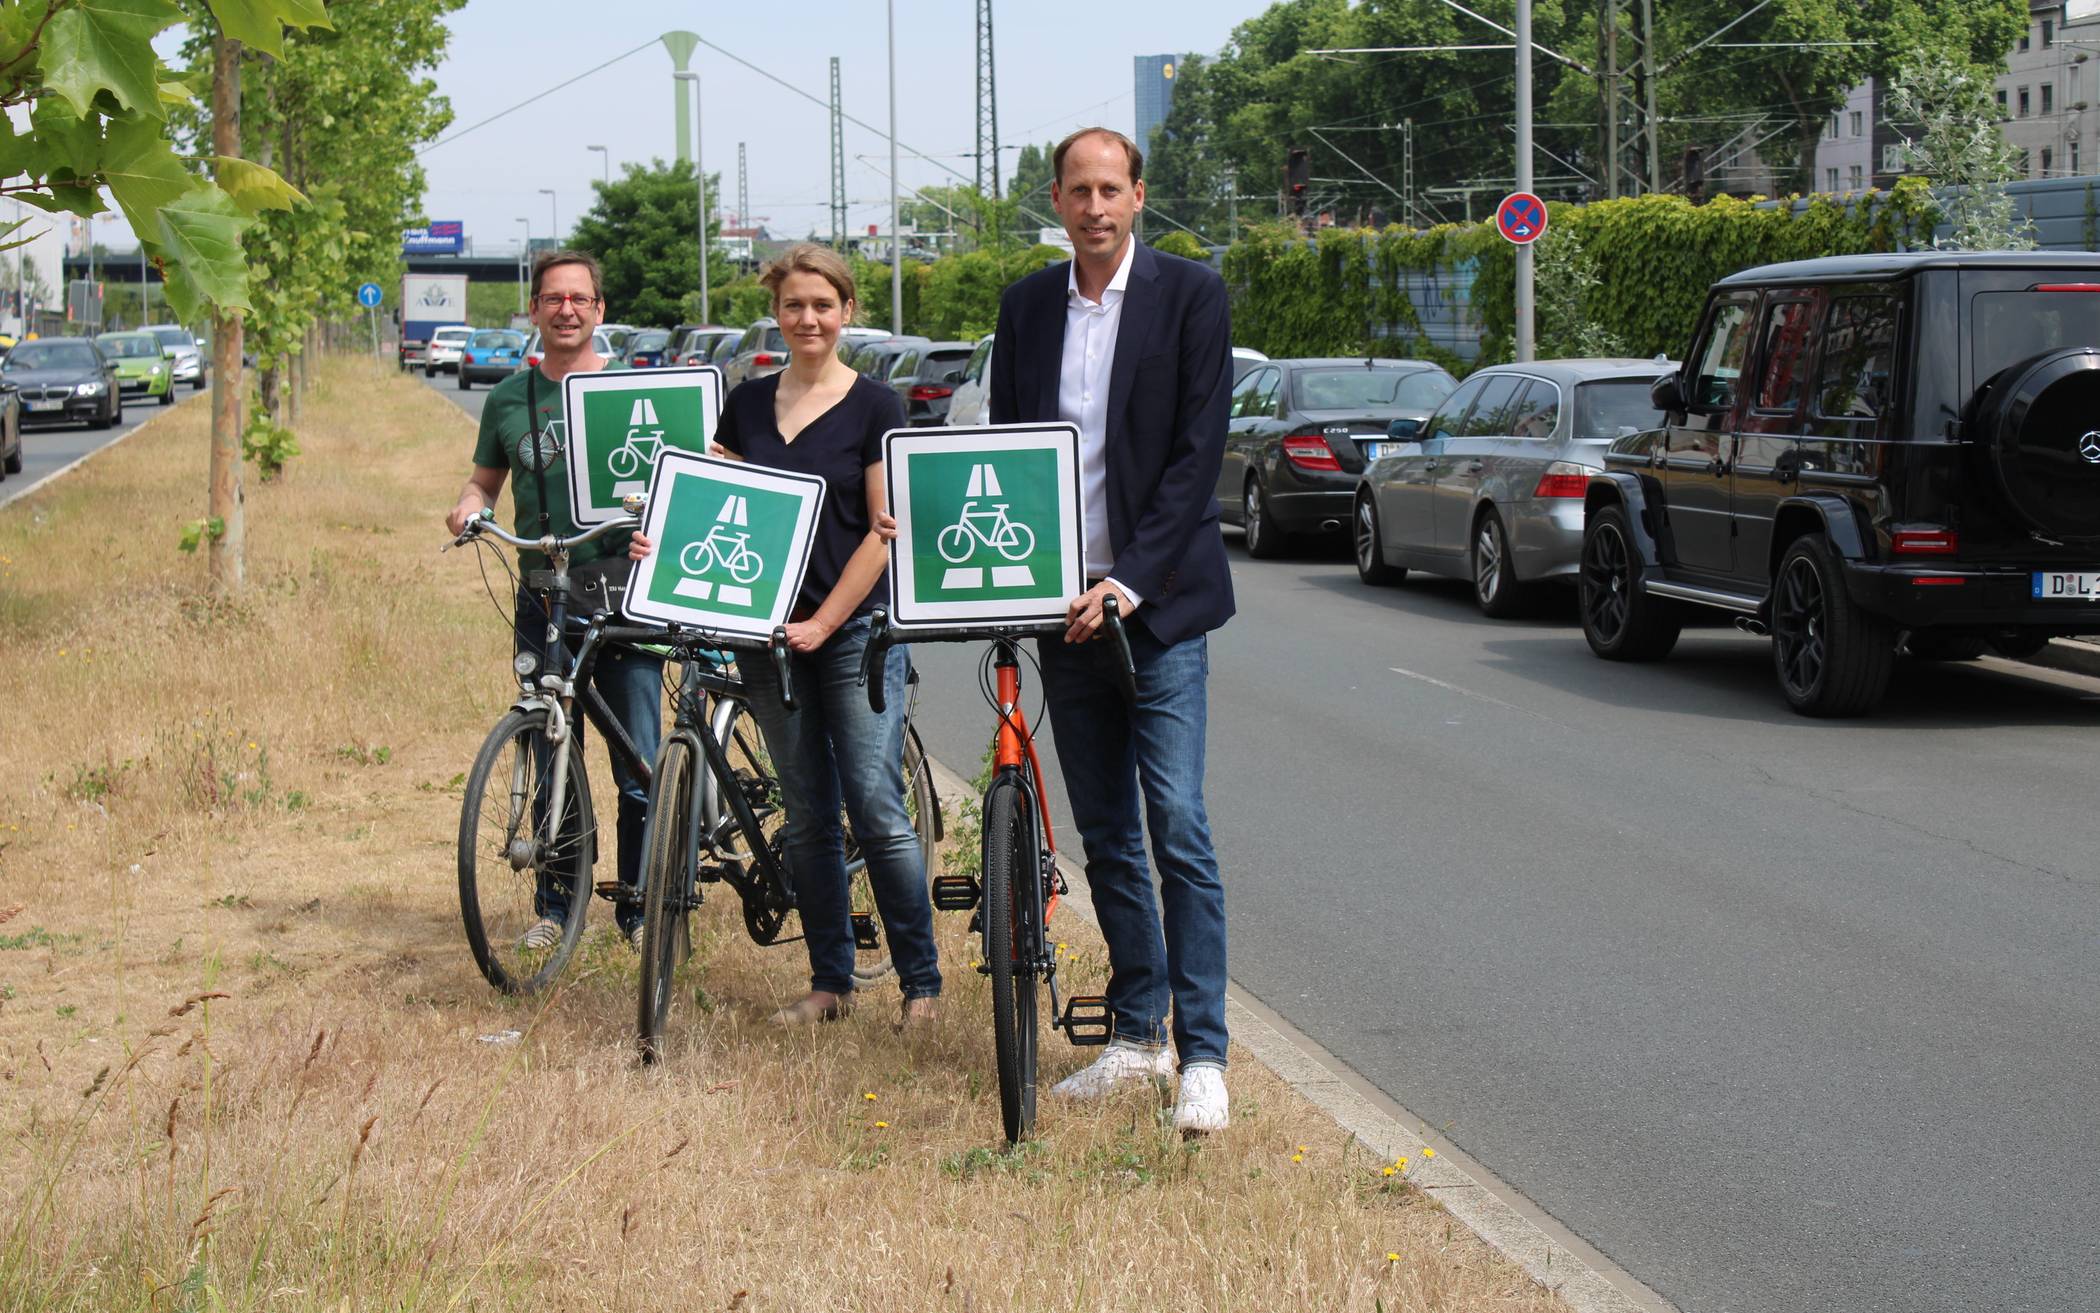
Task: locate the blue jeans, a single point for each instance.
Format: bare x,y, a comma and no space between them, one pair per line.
832,750
632,685
1112,753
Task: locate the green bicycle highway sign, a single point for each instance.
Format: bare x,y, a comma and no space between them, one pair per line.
732,542
621,420
988,524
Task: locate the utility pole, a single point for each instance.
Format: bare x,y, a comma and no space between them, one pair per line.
896,227
1407,170
226,535
604,159
681,46
1655,172
743,189
1611,99
1232,204
1527,309
987,106
524,264
700,169
838,164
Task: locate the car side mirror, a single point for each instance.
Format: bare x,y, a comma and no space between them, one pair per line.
1404,430
1667,394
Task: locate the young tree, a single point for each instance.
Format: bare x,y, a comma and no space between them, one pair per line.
1952,137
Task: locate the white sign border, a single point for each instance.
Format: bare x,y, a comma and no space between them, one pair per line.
1060,437
637,604
622,380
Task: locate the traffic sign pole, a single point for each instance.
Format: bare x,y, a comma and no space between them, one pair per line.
369,296
1527,297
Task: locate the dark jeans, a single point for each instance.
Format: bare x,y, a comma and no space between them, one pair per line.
632,685
831,750
1111,753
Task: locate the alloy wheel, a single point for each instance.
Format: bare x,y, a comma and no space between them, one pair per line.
1605,580
1797,626
1487,561
1250,516
1367,556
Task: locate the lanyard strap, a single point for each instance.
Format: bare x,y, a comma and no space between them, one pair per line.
539,452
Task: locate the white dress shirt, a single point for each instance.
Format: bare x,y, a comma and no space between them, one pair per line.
1082,399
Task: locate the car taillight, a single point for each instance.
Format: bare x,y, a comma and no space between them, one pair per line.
1309,451
532,362
467,356
763,358
1563,478
1924,542
930,392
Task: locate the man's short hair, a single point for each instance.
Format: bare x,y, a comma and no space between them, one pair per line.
556,259
1130,148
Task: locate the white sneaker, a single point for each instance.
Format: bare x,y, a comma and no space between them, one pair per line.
1123,1062
544,934
1201,1106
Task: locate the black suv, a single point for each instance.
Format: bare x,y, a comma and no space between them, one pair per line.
1861,454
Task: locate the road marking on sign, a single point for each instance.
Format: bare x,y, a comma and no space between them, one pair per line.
732,595
963,576
697,589
644,413
735,511
1012,576
984,482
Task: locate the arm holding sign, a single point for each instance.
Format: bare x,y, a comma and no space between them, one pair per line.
862,570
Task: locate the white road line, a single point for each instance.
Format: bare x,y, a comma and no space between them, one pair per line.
1462,692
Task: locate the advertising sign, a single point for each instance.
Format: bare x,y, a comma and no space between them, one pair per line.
440,237
732,541
620,420
988,524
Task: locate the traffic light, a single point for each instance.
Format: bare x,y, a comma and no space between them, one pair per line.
1297,176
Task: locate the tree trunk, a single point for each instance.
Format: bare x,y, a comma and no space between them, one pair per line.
228,546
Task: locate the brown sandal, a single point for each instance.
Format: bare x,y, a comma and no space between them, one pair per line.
811,1009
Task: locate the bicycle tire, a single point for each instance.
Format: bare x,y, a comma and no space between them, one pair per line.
497,895
1009,889
667,876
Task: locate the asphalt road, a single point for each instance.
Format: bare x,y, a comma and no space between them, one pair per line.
46,448
1779,1014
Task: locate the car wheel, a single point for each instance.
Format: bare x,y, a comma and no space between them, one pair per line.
1265,542
1371,564
1927,645
1621,621
1495,586
197,383
168,398
430,371
464,385
2017,644
1832,658
13,463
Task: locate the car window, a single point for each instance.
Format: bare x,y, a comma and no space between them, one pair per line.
1444,424
1783,375
1256,392
1491,414
454,335
1720,357
129,344
947,366
1243,398
601,344
776,340
904,365
1615,408
1859,344
975,370
1357,388
174,337
1265,402
498,337
2007,327
653,341
1536,411
54,355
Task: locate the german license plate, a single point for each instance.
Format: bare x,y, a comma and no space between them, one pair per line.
2068,585
47,405
1372,450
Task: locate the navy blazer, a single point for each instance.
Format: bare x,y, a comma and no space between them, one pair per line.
1168,393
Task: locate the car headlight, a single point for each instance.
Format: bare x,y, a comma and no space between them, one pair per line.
158,370
88,390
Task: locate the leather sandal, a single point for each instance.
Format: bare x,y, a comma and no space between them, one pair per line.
809,1010
918,1014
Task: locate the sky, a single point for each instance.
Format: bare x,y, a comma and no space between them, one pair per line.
1055,73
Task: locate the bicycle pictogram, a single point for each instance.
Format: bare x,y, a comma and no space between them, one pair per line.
978,526
641,448
732,551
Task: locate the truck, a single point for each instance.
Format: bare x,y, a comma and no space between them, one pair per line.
428,302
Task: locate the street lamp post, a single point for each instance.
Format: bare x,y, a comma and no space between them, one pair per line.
1527,301
553,224
524,255
896,228
699,168
605,158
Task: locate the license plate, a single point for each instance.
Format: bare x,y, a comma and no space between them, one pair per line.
47,405
1372,450
2068,585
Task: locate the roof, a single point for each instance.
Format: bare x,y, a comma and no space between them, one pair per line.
1859,268
1586,369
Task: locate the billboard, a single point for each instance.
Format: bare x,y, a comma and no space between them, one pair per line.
439,237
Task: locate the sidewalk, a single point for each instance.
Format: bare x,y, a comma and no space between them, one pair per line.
2079,656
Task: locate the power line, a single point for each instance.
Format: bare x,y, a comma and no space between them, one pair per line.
535,98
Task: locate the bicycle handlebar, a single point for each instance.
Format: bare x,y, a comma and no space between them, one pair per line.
483,522
882,636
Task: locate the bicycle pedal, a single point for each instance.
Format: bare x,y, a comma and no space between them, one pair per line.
1086,1020
955,893
865,936
711,873
609,890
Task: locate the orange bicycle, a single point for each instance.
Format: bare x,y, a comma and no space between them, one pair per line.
1020,883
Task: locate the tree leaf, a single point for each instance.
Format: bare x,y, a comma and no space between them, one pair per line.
199,237
92,46
142,170
260,24
253,187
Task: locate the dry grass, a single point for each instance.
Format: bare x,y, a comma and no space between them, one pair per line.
246,1062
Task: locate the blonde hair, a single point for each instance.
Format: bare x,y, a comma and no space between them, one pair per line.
809,258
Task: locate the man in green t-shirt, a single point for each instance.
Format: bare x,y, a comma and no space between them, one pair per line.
522,414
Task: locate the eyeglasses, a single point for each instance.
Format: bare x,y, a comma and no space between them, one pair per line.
555,300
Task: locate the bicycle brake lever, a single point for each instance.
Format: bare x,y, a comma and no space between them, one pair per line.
878,645
777,648
1126,665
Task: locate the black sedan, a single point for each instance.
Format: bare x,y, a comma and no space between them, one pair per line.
64,380
649,349
1300,434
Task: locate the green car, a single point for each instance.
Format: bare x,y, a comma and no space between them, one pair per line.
141,368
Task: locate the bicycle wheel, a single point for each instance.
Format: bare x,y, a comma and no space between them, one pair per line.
697,558
1010,876
1018,542
753,817
508,844
667,876
872,964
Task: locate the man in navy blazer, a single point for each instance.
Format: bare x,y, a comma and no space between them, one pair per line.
1133,346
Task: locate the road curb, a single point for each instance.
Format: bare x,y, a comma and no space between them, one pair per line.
2070,654
16,494
1502,1217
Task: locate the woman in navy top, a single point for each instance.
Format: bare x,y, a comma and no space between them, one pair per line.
818,416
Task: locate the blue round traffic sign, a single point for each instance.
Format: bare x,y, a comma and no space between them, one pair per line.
1521,217
368,294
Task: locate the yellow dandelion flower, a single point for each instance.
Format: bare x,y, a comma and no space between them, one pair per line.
251,745
882,1126
1391,1257
869,1096
1297,1157
1301,1148
1400,1163
1428,1153
1390,1170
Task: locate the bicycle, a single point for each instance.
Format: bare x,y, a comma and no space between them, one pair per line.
1010,538
731,550
1020,882
638,452
731,816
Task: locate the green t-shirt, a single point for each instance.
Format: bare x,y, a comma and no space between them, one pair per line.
503,425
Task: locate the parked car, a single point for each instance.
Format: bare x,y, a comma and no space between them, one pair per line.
185,355
141,368
442,355
853,337
724,351
647,348
924,380
1491,487
762,350
972,403
696,346
64,380
1300,433
617,334
10,429
599,344
1244,358
1861,455
874,359
490,356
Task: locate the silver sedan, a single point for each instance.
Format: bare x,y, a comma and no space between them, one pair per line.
1490,487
